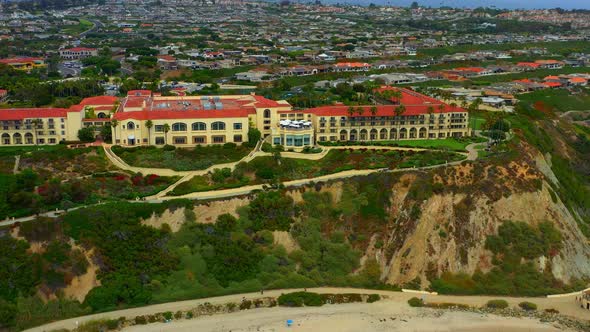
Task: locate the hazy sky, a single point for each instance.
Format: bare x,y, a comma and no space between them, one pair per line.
566,4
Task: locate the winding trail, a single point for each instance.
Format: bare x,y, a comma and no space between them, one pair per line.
566,305
471,155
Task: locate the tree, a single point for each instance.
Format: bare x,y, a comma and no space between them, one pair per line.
440,108
166,128
350,112
473,107
37,123
114,124
373,111
86,134
414,5
7,313
149,124
399,112
254,136
430,111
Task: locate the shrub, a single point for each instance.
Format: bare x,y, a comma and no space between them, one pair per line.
529,306
497,304
140,320
178,315
551,311
299,299
169,147
167,315
112,324
373,298
415,302
246,304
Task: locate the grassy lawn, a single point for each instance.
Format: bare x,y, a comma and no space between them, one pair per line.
452,144
77,29
559,100
269,169
199,157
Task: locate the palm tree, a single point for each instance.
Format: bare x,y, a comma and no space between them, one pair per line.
473,107
350,112
373,111
430,111
397,95
399,111
441,108
166,128
360,110
114,124
37,123
149,124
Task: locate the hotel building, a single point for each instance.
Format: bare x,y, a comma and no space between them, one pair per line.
145,118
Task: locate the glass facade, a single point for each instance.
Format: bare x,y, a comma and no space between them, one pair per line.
293,140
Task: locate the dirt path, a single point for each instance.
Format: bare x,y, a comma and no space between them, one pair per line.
566,305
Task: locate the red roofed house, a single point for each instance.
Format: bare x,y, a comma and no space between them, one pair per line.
167,62
578,81
526,66
550,64
77,53
26,63
351,66
3,94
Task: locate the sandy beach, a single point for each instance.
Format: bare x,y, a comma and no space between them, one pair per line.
390,314
382,316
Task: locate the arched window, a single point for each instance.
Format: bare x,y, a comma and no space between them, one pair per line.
179,126
199,126
130,125
267,113
218,125
101,115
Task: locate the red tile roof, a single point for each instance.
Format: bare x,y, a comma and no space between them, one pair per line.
79,49
415,103
528,64
32,113
578,80
382,110
172,115
99,100
265,102
352,64
552,84
139,93
20,60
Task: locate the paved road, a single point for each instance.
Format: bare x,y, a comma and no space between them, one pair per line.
566,305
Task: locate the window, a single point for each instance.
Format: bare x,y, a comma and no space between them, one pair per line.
179,139
218,139
179,126
130,125
276,141
199,126
218,126
159,128
267,113
159,140
237,126
52,141
199,139
237,138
